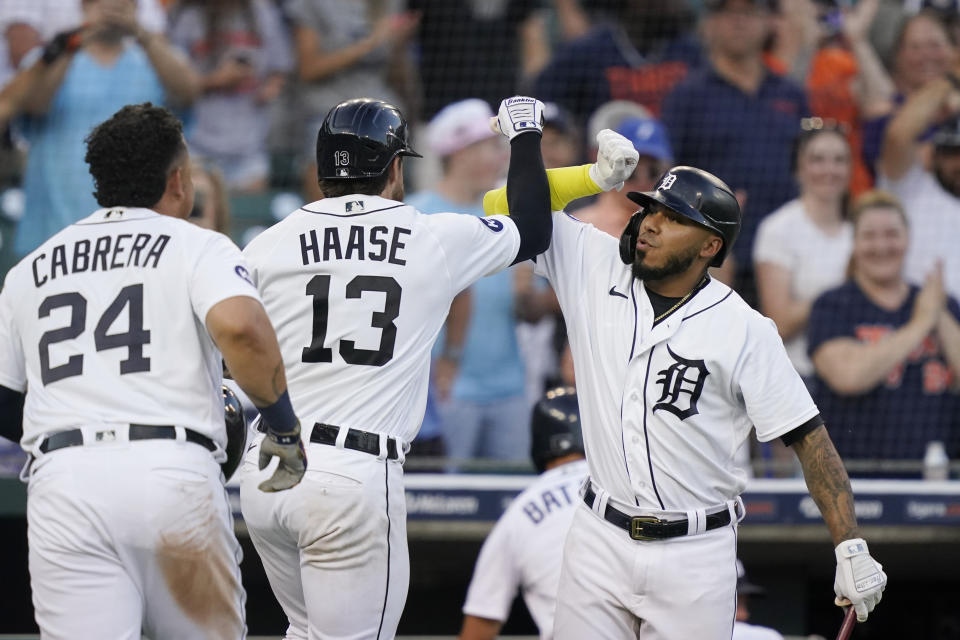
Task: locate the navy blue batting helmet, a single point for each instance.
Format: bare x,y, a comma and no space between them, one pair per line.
694,194
360,138
236,424
555,427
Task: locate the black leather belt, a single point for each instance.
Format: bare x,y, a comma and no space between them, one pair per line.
358,440
650,528
74,437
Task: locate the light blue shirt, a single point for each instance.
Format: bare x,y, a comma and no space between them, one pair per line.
491,367
57,182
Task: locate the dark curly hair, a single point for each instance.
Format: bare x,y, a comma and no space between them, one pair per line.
130,155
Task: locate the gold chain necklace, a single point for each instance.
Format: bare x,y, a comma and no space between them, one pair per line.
679,303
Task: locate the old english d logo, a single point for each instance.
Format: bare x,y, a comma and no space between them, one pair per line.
683,377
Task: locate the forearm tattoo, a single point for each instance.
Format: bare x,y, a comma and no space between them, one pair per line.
828,483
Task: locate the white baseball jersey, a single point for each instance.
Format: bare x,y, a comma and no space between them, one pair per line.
525,549
666,407
104,324
358,288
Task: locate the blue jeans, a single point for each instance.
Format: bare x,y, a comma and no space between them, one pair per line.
498,429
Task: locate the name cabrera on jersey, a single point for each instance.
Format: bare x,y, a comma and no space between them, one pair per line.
358,288
104,324
665,408
525,549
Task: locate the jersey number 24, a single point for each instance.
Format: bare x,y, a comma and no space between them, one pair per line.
133,338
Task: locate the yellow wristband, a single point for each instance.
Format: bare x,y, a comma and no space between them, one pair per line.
566,185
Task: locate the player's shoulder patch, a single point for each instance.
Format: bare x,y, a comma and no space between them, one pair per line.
494,225
241,271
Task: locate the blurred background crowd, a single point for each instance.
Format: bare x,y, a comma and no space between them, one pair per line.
834,121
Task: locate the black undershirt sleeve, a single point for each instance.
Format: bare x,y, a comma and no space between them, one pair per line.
528,196
796,434
11,414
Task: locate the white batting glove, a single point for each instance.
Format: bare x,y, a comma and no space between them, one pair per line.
517,115
288,447
860,579
616,160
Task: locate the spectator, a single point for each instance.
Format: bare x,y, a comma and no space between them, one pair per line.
477,49
609,115
612,209
886,352
802,249
484,410
242,52
29,24
923,53
211,206
80,89
737,119
15,94
843,75
639,54
562,141
346,50
26,25
743,630
929,189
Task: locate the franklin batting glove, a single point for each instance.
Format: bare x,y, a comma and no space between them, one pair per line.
518,115
616,160
860,579
288,447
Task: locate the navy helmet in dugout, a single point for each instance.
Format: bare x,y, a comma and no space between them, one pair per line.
555,427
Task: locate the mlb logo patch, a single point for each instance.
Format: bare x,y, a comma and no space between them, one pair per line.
493,225
356,205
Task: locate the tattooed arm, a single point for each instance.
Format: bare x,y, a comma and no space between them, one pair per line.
860,579
828,483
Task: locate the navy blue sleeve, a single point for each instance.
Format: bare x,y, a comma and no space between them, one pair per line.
528,196
873,132
11,414
953,307
828,320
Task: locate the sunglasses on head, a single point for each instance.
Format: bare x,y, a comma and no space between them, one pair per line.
816,124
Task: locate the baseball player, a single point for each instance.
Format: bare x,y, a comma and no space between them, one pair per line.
523,550
358,286
673,370
113,330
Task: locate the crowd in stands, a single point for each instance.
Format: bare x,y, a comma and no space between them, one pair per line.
836,124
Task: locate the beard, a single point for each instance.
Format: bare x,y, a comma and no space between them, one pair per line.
949,181
676,264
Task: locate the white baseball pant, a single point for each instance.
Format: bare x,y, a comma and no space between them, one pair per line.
613,587
129,535
335,546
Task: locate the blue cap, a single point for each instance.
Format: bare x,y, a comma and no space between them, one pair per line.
648,136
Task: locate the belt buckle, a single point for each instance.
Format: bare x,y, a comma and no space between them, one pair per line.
636,527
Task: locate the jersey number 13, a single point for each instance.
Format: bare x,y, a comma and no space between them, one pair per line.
319,289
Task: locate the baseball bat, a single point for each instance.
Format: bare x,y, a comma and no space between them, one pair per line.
846,628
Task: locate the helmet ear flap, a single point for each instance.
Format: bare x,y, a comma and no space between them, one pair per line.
628,239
